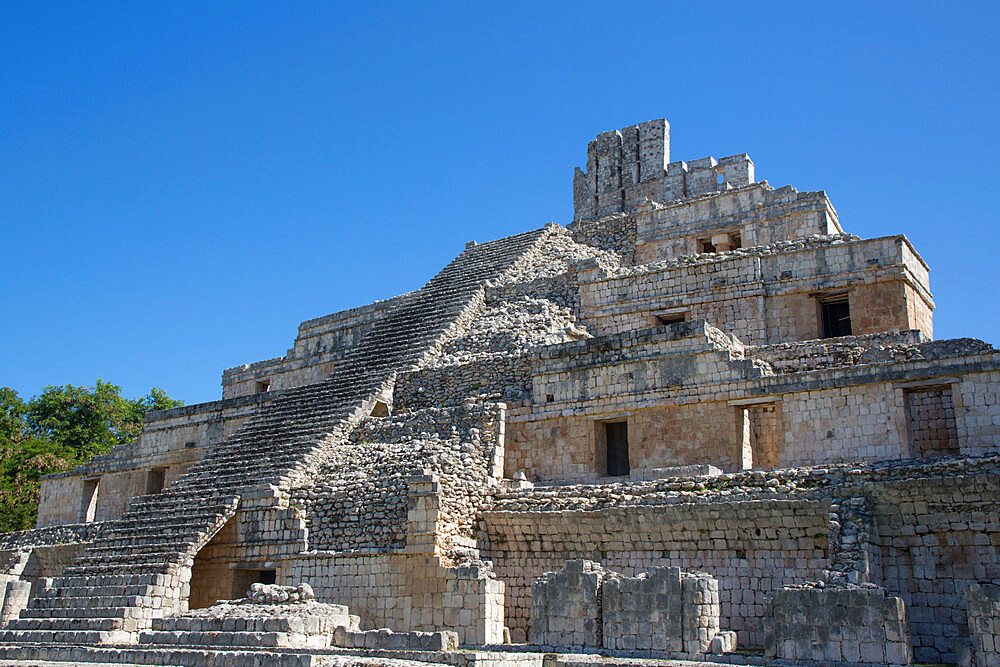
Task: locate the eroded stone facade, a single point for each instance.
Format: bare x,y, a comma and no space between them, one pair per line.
702,394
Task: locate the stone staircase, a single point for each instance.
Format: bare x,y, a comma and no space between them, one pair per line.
140,568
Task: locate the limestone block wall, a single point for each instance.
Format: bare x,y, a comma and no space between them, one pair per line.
359,499
406,592
566,607
569,448
171,441
617,368
859,422
758,214
931,421
751,548
768,294
838,625
938,536
320,344
851,399
664,609
976,401
983,604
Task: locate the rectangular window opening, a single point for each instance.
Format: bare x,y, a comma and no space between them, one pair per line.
616,437
835,316
263,386
671,318
155,480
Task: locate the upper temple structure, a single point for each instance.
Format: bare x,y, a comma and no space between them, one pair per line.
699,422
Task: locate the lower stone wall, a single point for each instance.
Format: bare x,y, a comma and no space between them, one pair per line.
752,548
838,625
406,592
937,537
663,610
566,607
983,603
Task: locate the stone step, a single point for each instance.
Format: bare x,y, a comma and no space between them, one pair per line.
339,617
159,533
41,604
90,592
236,639
65,624
84,637
60,655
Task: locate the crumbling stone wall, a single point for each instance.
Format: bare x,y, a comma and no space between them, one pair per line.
616,233
757,213
585,606
983,604
359,500
751,547
407,592
664,609
856,624
566,608
506,379
938,536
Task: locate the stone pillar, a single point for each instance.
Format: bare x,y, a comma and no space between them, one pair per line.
16,596
982,602
474,605
422,513
700,609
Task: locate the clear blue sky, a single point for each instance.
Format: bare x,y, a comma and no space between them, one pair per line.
182,183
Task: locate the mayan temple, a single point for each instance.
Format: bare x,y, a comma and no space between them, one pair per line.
699,422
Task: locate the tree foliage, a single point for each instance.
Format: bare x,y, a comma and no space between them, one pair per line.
62,427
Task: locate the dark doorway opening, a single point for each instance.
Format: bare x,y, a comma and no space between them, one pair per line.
617,438
836,317
155,480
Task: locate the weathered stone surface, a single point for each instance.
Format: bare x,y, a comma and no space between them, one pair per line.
701,373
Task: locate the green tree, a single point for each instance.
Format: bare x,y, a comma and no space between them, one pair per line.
12,410
90,421
61,428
